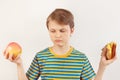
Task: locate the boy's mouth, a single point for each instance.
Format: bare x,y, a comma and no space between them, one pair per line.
58,40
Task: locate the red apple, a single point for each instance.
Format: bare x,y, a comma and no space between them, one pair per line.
14,48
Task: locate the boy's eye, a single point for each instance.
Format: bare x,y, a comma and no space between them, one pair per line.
52,30
62,30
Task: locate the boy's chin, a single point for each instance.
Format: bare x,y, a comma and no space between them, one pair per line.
60,45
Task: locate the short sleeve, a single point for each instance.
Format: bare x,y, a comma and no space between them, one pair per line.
33,72
87,72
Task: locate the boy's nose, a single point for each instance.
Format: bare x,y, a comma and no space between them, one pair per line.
58,34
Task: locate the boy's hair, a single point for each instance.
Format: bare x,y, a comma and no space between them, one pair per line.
62,17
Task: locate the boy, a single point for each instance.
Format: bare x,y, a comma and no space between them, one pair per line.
60,61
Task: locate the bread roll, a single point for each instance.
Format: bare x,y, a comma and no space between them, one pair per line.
111,50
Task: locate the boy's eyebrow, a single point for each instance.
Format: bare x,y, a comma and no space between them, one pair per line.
63,29
60,28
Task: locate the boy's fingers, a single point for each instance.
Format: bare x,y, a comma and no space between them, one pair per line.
112,60
10,57
6,54
104,51
17,56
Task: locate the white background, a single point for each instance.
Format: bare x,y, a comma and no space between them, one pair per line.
97,22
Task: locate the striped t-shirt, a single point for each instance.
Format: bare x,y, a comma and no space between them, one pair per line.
51,66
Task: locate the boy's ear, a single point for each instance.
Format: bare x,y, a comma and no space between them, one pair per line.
72,30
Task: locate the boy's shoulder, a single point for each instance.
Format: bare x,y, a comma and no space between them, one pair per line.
78,52
43,51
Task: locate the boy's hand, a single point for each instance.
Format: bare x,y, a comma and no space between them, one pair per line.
11,58
104,62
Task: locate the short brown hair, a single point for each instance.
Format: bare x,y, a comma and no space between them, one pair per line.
61,16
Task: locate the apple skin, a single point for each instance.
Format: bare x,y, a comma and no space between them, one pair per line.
14,49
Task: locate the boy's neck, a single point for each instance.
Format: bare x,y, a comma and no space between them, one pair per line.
61,49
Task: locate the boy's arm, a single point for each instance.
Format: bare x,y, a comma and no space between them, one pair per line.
100,72
18,62
103,64
21,73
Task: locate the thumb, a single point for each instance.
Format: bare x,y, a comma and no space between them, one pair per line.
104,51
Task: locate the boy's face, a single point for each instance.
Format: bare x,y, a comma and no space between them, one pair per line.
59,34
